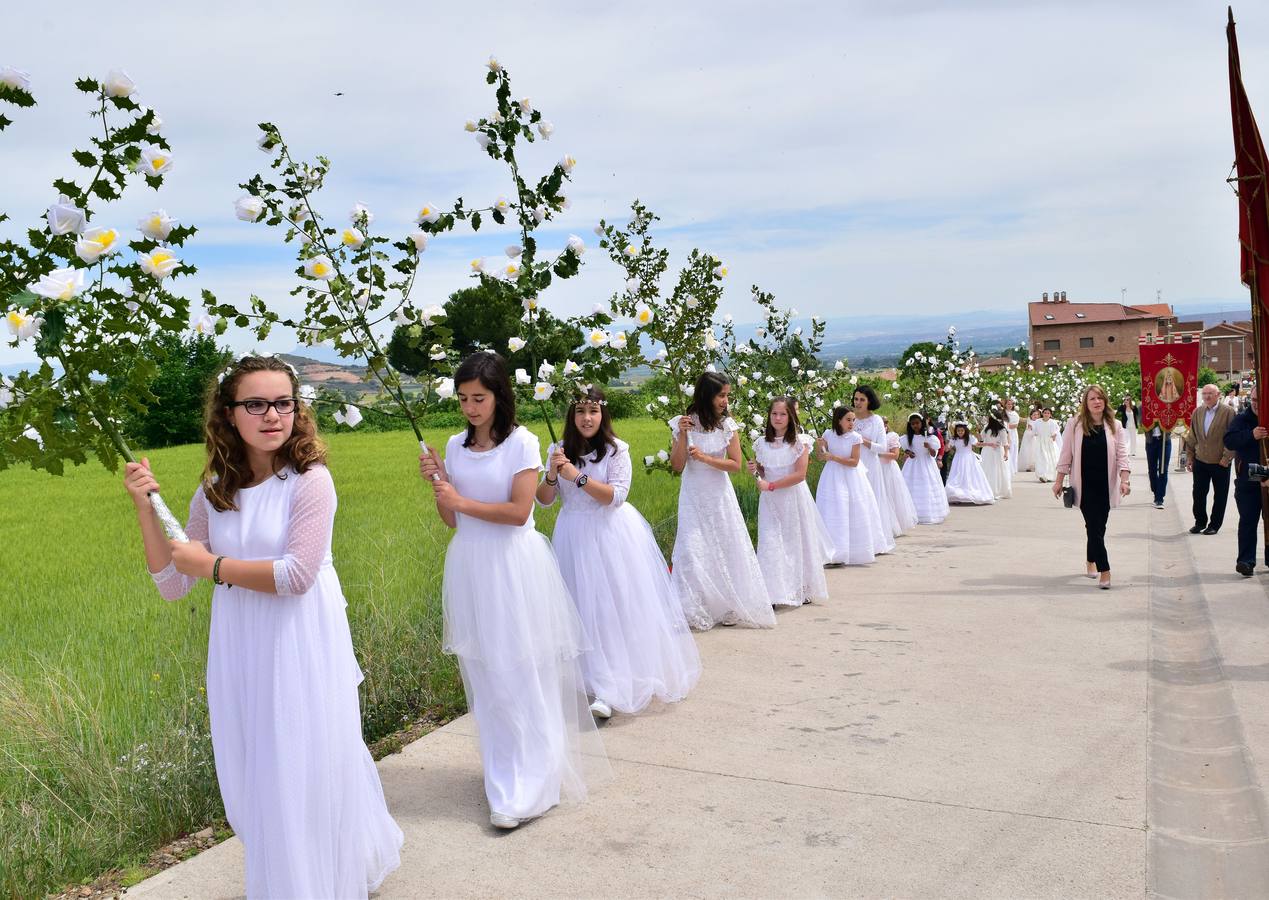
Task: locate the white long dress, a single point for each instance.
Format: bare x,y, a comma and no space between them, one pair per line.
874,430
897,493
1011,423
1026,448
1046,448
995,466
1131,427
640,646
793,543
716,577
299,786
966,482
847,504
511,622
924,480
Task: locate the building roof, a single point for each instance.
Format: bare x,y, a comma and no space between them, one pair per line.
996,361
1065,313
1196,325
1235,328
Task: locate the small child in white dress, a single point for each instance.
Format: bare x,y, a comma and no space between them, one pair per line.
508,615
639,645
967,482
995,455
299,786
716,575
889,481
1027,444
1047,444
844,498
793,543
920,448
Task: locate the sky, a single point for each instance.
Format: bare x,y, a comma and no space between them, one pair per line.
855,158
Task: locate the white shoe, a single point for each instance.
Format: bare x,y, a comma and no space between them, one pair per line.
498,820
600,710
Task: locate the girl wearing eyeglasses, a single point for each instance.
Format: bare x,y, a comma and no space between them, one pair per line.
299,787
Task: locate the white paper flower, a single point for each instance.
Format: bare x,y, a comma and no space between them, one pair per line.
419,240
31,434
632,285
522,377
631,251
510,270
545,371
478,264
502,205
64,217
576,244
159,264
515,344
352,237
618,341
430,314
643,314
23,325
349,415
118,84
470,125
662,353
436,353
742,380
6,392
567,163
156,121
155,161
543,390
513,250
795,363
720,270
691,302
571,368
15,78
688,389
203,325
319,267
649,460
711,342
539,214
757,418
546,129
308,394
249,208
597,338
494,65
360,211
839,365
95,243
663,456
428,214
157,225
445,388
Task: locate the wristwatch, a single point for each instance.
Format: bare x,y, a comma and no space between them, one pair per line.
581,480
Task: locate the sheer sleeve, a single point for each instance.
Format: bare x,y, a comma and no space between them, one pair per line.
619,474
172,584
308,533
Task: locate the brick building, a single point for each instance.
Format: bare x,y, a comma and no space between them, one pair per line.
1093,333
1229,349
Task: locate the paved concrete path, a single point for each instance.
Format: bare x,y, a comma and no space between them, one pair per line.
969,717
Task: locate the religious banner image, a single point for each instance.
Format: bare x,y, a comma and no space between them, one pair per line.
1169,383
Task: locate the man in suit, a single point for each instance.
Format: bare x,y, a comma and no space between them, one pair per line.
1209,460
1244,437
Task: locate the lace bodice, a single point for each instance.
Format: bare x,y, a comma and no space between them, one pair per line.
778,459
613,469
287,519
712,443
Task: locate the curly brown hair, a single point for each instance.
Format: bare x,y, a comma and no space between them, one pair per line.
227,468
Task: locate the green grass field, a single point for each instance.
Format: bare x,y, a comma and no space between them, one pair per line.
104,752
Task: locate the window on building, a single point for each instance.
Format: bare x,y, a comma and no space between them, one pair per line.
1049,316
1086,343
1055,344
1185,339
1079,315
1110,339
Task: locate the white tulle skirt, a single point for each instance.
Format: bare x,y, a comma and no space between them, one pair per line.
793,546
511,622
1046,457
966,482
641,648
996,468
925,487
849,509
899,505
1026,451
299,786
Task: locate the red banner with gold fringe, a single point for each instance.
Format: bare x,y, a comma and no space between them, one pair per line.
1169,383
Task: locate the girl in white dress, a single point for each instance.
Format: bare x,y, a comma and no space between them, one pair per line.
1011,422
640,647
871,429
967,483
1026,446
299,786
920,449
896,489
995,455
716,577
793,544
844,498
508,615
1046,445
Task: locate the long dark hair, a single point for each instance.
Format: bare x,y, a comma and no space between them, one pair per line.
994,423
227,468
490,370
576,445
708,386
874,402
920,418
957,426
839,413
794,427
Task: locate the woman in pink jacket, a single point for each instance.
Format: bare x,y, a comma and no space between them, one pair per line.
1095,457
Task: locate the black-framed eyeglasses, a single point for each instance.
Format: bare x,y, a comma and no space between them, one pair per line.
284,406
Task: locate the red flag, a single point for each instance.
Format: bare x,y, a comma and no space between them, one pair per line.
1253,213
1169,383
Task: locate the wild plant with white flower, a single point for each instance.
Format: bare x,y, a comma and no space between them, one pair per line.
89,310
